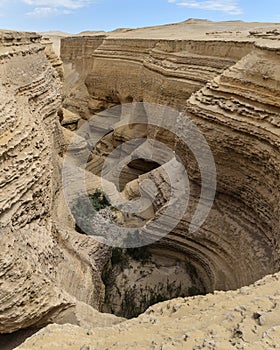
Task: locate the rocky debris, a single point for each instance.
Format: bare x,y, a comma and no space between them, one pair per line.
273,34
69,119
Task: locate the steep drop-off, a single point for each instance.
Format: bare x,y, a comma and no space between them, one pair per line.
225,77
227,82
42,278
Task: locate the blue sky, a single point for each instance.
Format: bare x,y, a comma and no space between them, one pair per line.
74,16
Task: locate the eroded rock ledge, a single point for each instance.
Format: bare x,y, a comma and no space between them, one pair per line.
244,319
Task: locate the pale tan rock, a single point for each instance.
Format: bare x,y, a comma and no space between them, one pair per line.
206,322
166,66
226,79
73,142
237,110
69,119
40,281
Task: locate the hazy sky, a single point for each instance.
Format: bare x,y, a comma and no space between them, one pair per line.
77,15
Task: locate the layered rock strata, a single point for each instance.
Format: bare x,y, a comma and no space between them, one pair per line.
160,71
225,78
43,278
227,83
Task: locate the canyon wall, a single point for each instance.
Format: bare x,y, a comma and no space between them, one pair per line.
159,71
42,278
225,78
227,82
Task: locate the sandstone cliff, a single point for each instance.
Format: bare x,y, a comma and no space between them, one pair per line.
39,267
227,81
225,77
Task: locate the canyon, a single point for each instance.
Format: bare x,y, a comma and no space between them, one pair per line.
81,111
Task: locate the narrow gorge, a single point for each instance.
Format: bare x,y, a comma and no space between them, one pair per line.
95,107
